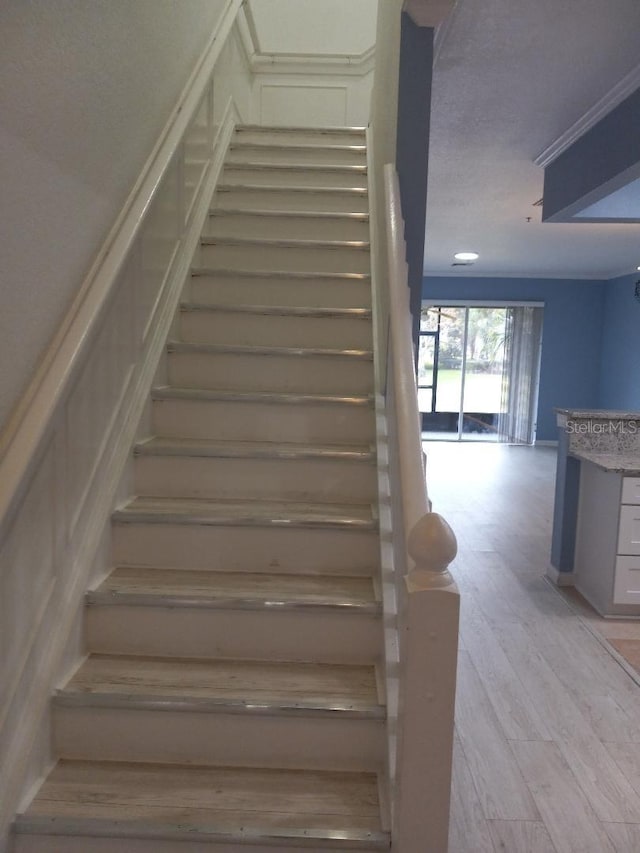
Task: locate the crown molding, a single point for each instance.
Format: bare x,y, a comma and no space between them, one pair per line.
428,13
599,110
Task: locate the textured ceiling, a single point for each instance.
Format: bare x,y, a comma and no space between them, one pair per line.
510,77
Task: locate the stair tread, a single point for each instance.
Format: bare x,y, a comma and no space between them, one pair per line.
240,349
166,392
238,512
284,243
280,310
330,130
132,584
296,146
196,802
354,168
228,186
158,445
222,210
266,683
284,274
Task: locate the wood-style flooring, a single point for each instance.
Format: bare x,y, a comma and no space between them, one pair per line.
547,748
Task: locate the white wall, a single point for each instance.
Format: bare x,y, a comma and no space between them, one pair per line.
85,89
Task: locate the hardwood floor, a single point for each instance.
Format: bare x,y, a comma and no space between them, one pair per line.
547,750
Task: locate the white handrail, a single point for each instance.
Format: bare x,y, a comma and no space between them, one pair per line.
430,540
411,456
30,421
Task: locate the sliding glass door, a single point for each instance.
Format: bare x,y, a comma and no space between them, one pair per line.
478,372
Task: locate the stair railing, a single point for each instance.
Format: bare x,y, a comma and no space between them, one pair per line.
426,596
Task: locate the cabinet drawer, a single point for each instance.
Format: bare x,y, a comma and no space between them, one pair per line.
626,587
629,530
631,490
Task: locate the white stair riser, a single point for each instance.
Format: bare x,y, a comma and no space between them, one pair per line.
266,199
273,258
65,843
221,289
247,329
310,480
260,152
283,177
244,421
255,740
246,372
286,227
330,636
255,549
297,136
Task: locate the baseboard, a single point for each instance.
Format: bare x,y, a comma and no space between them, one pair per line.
544,443
560,578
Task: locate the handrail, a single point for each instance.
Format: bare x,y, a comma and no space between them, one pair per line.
29,423
427,597
430,541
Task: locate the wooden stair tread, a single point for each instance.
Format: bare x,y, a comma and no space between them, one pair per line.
329,130
244,186
169,392
280,311
288,275
266,683
160,446
128,585
293,352
239,512
347,168
196,802
222,210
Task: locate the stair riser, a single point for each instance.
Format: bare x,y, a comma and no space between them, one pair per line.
265,199
246,329
248,740
242,421
329,636
266,258
295,136
224,289
286,227
256,549
244,372
248,174
260,153
306,480
122,844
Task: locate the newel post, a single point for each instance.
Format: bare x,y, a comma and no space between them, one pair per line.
430,645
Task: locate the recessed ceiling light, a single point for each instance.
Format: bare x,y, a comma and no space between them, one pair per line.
638,268
466,256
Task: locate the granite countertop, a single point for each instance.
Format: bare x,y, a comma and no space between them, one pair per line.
600,414
620,463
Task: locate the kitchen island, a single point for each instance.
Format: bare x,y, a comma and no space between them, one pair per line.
596,534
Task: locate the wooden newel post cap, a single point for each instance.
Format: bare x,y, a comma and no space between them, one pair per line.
432,545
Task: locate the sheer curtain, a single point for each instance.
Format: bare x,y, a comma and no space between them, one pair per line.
520,373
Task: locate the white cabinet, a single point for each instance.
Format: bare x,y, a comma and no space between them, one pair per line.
607,559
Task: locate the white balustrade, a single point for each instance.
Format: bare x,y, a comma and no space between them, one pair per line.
427,599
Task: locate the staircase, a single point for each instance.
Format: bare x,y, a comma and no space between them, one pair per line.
231,698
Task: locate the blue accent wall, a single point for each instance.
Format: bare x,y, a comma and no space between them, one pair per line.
620,364
572,336
412,148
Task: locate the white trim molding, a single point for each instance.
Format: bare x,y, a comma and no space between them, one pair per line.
560,578
598,111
